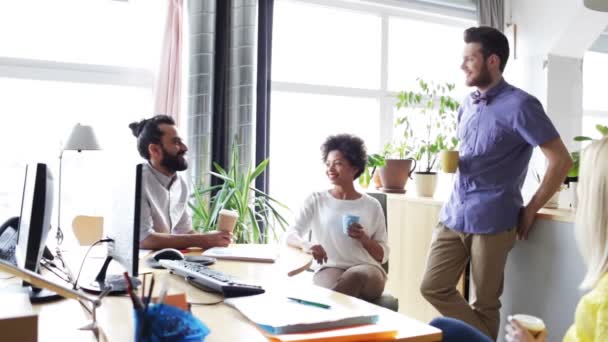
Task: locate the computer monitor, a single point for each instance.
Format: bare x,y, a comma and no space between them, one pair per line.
124,219
34,224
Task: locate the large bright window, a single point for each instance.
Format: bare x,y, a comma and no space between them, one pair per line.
337,66
102,32
595,107
336,48
64,62
435,55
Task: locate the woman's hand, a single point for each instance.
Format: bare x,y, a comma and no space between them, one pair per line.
356,231
517,333
318,253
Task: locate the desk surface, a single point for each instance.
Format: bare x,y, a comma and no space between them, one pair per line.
59,321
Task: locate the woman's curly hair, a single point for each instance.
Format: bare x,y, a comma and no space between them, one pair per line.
352,148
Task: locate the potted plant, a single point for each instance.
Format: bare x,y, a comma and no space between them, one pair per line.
572,178
397,168
428,126
259,216
373,161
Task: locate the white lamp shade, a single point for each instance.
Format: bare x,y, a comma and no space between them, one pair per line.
82,138
597,5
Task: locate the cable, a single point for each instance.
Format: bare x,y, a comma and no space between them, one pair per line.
85,258
54,272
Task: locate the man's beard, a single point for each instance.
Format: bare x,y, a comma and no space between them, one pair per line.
174,163
483,79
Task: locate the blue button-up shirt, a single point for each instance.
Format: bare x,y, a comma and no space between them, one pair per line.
497,132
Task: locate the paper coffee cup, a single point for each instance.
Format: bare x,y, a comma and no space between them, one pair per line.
534,324
347,220
227,220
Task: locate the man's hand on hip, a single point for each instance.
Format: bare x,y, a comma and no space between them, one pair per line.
526,220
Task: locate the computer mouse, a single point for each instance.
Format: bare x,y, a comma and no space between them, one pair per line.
168,253
163,254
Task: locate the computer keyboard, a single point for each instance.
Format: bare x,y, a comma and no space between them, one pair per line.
217,281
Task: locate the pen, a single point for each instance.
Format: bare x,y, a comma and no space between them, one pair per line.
308,302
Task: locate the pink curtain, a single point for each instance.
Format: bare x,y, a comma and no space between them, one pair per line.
168,86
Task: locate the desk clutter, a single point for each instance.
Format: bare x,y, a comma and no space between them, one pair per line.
309,319
162,322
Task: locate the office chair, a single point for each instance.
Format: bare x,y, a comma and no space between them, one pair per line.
87,229
386,300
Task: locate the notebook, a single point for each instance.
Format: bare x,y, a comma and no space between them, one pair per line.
268,312
367,332
259,253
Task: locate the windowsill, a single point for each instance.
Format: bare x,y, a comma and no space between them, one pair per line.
559,214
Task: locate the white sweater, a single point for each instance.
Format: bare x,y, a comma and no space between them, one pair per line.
323,213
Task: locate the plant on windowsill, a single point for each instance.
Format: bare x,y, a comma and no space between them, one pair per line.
373,162
573,172
397,167
428,126
572,178
259,216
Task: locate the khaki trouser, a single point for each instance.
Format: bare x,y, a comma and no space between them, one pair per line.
448,256
361,281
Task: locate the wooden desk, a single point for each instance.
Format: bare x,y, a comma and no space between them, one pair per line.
59,320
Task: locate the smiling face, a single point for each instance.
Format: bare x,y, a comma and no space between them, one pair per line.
338,169
171,151
476,68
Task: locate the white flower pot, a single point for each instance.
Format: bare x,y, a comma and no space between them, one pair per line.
426,183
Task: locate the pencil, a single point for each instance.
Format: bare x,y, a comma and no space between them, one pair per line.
311,303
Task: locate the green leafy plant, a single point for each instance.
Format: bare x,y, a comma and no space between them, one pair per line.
259,215
576,155
373,161
432,105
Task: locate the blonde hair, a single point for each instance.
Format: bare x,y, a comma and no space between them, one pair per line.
592,211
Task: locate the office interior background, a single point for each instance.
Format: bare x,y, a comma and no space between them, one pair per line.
336,67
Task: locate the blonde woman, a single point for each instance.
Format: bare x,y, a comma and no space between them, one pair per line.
591,317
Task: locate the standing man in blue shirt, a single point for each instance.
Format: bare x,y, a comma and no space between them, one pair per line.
498,127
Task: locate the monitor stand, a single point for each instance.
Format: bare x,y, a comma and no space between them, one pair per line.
115,284
38,295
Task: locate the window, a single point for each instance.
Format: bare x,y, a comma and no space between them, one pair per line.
336,68
595,109
66,62
336,48
435,55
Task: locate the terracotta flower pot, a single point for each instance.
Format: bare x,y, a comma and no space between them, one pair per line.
376,179
394,174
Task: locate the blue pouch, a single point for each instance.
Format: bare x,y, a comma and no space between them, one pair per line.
163,322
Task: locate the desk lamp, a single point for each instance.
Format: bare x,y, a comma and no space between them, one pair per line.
82,138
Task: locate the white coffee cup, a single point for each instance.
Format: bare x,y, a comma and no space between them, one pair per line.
534,324
227,220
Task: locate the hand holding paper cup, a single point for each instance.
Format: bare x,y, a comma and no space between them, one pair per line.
227,220
533,324
347,220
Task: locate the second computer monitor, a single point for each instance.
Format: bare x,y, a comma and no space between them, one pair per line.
35,223
125,220
123,231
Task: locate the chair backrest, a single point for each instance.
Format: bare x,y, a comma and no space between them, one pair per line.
87,229
381,197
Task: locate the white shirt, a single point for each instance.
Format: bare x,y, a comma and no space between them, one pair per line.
322,213
164,204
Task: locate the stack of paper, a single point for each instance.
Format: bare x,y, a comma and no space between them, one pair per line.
276,314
